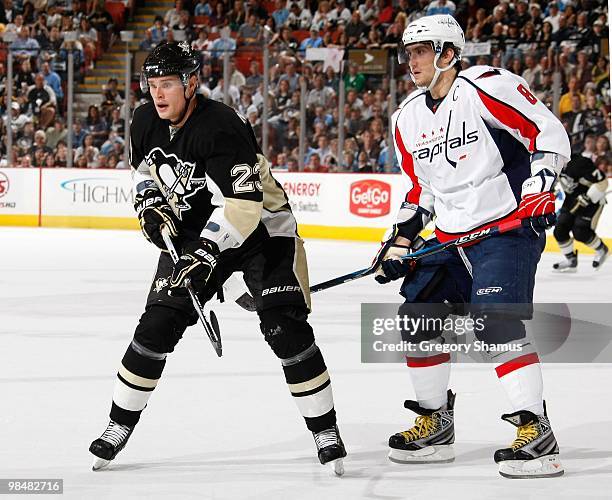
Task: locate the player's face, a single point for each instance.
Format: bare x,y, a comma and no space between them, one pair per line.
420,61
168,95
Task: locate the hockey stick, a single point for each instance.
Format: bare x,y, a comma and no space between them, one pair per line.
481,234
575,208
210,327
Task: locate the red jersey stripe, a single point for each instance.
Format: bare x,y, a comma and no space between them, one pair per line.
511,118
408,167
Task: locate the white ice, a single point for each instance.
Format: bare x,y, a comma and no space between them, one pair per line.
227,428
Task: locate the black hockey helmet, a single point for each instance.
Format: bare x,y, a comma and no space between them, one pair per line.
170,58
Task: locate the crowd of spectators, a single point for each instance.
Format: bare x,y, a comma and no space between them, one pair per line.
40,51
559,45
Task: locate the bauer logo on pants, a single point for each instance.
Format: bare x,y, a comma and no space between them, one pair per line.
280,289
370,198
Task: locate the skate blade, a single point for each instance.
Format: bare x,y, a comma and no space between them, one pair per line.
569,270
337,466
543,467
442,454
99,463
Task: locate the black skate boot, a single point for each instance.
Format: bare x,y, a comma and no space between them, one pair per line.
111,442
569,265
431,438
534,453
601,254
330,449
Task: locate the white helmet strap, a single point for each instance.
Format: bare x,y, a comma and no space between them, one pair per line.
438,71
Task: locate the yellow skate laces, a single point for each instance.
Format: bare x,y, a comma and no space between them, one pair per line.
524,435
424,425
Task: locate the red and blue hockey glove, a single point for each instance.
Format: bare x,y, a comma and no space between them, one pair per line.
538,201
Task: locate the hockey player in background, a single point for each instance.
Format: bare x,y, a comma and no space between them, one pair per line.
198,170
477,148
585,187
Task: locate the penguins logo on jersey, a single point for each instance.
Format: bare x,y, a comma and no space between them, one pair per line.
175,177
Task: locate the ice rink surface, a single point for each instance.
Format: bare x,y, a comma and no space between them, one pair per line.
227,428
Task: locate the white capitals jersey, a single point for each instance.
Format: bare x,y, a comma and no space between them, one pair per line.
466,161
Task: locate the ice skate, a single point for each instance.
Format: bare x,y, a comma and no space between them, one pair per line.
601,254
330,449
431,438
111,442
534,453
569,265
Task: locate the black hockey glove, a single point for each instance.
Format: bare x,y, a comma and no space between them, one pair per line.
197,264
393,267
153,211
411,220
392,264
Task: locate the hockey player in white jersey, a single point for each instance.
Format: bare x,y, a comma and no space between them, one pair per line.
477,149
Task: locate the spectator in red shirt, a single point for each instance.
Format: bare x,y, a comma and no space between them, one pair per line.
385,12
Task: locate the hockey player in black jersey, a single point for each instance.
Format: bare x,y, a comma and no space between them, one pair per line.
199,171
585,196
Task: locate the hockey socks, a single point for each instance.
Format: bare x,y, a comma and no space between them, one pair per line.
309,383
521,378
138,375
567,247
430,375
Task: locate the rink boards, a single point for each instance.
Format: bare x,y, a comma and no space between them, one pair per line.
337,206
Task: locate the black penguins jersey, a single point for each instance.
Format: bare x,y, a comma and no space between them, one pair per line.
580,176
212,173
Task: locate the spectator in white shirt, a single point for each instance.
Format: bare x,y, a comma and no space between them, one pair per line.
173,16
340,12
217,93
299,18
321,16
368,12
441,7
553,16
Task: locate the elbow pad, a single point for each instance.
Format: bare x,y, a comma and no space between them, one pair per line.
595,193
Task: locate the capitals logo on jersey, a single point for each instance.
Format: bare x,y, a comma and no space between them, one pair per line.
175,177
447,143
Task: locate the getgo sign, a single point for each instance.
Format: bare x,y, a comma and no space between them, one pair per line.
4,184
370,198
